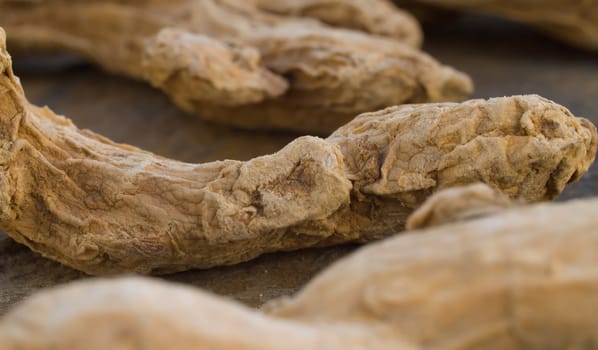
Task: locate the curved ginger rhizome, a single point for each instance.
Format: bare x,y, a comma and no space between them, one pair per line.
258,64
519,278
103,207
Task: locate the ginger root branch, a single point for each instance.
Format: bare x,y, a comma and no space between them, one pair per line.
523,278
103,207
237,62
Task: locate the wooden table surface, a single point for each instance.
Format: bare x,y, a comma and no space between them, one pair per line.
502,58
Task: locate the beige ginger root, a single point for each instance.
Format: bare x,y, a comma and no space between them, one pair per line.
377,17
102,207
523,278
575,22
459,204
245,63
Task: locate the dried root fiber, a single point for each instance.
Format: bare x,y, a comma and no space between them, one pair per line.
253,64
521,278
103,207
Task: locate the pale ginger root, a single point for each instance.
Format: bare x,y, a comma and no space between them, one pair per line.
102,207
233,62
141,313
523,278
378,17
575,22
459,204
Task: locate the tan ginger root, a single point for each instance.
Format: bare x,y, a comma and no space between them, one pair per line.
575,22
526,278
102,207
458,204
233,62
377,17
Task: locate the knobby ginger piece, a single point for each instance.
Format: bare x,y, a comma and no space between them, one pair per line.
102,207
237,62
458,204
575,22
524,278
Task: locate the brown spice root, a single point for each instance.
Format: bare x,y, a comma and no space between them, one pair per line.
523,278
102,207
251,64
574,22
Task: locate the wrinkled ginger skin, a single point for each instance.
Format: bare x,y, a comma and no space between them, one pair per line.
103,207
574,22
232,62
526,146
524,278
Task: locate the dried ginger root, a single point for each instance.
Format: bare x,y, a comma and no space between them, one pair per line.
102,207
575,22
238,62
378,17
459,204
522,278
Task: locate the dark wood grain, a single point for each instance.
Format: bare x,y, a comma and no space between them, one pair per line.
502,58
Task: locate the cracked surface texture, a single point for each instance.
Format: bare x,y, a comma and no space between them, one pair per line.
103,207
522,278
575,22
257,64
